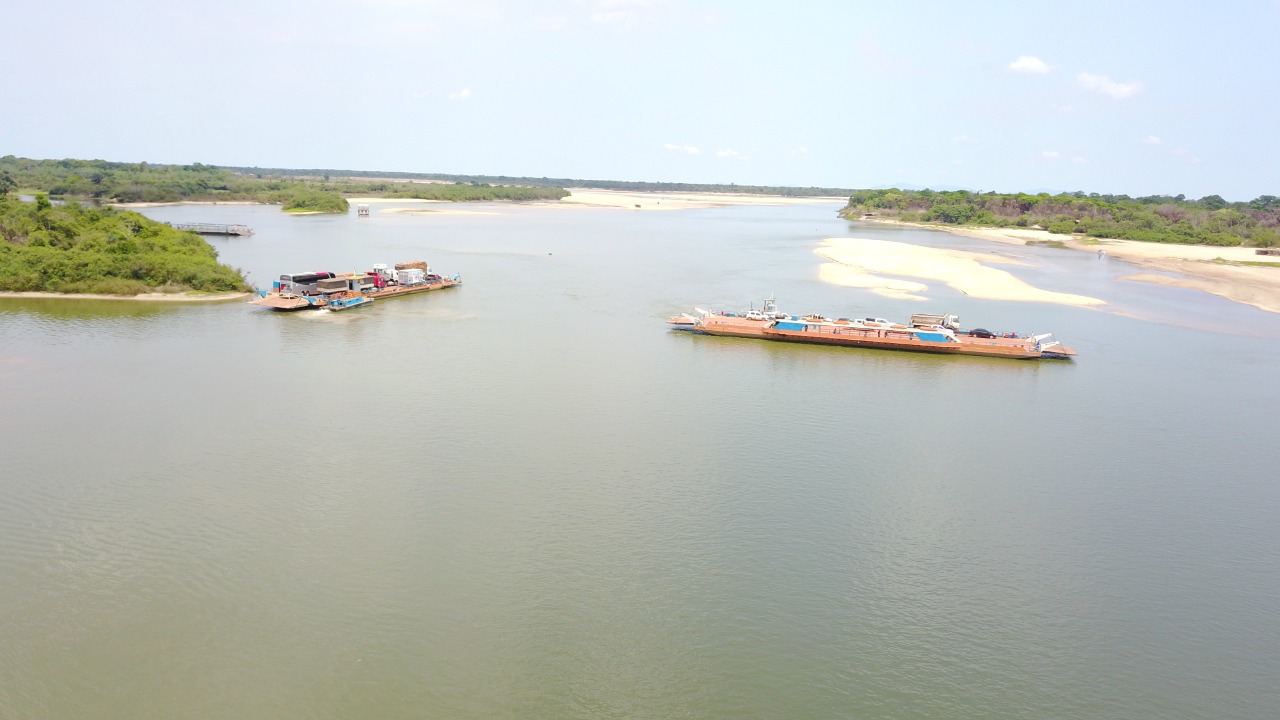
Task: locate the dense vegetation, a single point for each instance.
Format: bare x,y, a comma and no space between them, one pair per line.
1155,218
316,201
70,248
103,181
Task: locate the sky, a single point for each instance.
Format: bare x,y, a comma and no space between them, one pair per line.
1138,98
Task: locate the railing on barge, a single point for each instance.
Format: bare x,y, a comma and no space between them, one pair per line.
213,228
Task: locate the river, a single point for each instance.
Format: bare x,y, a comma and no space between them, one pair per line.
525,497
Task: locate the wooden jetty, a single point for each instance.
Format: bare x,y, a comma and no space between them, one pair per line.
1267,251
213,228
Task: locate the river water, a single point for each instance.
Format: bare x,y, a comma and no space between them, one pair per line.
525,497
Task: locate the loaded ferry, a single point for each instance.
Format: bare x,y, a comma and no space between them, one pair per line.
321,290
924,333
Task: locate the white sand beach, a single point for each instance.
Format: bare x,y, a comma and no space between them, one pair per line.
864,263
434,211
1196,267
629,200
184,202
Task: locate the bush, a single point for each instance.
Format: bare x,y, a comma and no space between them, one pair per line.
103,251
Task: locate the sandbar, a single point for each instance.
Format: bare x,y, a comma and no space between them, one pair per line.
374,200
146,297
428,211
186,202
1195,267
863,263
645,200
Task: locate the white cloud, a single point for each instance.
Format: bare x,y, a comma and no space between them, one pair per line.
964,139
1107,86
802,150
727,152
1152,140
690,149
1065,108
1187,155
1029,65
1079,160
462,94
1050,154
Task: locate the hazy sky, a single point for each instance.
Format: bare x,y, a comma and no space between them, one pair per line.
1122,97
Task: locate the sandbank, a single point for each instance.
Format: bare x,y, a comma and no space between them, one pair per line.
428,211
146,297
375,200
186,202
1195,267
638,200
863,263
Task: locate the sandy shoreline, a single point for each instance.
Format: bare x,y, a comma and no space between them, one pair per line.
638,200
186,202
1194,267
578,198
597,199
862,263
143,297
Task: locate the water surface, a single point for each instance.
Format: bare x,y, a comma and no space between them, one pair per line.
525,497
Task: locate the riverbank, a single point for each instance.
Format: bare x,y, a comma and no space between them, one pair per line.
1194,267
189,297
186,202
632,200
588,198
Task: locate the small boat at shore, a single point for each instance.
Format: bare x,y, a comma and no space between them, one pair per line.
317,290
938,334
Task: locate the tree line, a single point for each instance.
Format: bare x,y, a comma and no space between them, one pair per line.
506,180
1209,220
119,182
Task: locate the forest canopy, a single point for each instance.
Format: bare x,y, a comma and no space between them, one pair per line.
116,182
70,248
1210,220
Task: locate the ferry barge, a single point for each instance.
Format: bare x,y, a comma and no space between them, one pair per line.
326,290
938,334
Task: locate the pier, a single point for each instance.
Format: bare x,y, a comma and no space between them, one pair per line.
213,228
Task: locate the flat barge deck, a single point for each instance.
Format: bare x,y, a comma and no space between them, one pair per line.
882,336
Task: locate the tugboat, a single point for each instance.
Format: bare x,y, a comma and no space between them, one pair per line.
347,300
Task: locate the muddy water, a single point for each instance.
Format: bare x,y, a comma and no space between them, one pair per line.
525,497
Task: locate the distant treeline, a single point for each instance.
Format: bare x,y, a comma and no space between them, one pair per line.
632,185
103,181
71,248
1154,218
